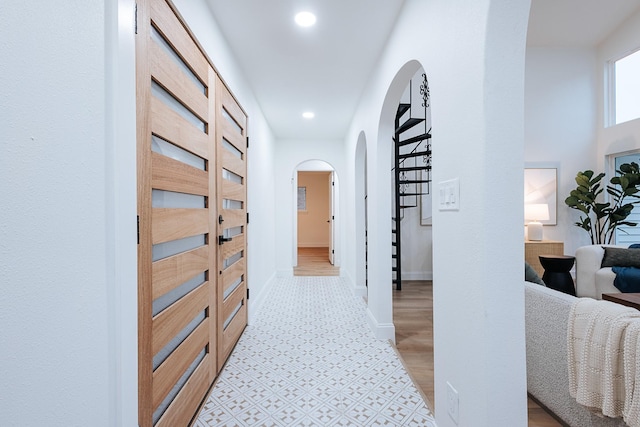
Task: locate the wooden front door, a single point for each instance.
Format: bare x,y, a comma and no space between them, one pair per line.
177,254
231,140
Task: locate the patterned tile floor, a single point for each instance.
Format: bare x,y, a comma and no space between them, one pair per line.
311,360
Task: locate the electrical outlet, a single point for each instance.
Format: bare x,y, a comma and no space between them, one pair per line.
452,403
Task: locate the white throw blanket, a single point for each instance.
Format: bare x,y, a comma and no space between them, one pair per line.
631,412
597,344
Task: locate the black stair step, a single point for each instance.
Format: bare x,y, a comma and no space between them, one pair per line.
415,168
402,108
414,139
411,122
394,244
415,154
408,206
394,268
413,181
394,256
412,194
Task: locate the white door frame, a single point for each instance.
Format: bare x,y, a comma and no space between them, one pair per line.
310,166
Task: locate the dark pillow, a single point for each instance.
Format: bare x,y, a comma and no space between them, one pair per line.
621,257
530,275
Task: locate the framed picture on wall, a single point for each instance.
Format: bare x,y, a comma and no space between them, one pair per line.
541,187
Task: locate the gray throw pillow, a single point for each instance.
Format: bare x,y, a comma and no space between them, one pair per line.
530,275
621,257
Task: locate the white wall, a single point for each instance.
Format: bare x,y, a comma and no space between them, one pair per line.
560,126
625,136
68,186
261,203
473,53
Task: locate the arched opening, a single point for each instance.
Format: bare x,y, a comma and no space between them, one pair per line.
315,220
361,216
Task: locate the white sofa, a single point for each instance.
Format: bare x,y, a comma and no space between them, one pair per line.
546,321
591,279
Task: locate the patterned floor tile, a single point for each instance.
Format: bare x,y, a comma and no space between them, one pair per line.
311,360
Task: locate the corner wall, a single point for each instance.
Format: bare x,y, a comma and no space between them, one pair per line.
68,182
560,126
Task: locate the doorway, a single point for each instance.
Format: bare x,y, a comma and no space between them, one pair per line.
315,220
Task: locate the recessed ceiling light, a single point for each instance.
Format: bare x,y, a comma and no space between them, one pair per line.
305,19
308,115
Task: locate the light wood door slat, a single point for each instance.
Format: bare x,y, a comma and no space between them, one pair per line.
177,316
233,247
172,127
233,164
232,302
234,217
230,133
186,403
234,110
168,374
233,191
173,224
168,24
173,79
171,272
233,332
231,274
172,175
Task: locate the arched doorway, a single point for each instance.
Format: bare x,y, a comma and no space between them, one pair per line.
315,220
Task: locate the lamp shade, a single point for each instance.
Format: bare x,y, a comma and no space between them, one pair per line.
536,211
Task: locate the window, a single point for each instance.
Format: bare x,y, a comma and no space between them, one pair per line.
626,84
302,198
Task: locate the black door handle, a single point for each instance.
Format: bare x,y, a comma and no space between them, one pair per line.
222,240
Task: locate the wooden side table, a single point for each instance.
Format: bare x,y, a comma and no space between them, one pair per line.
534,248
628,299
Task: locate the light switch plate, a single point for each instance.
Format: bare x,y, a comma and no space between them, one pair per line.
449,195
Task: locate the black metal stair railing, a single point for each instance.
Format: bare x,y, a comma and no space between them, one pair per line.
408,170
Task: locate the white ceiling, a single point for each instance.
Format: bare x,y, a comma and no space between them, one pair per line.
583,23
325,68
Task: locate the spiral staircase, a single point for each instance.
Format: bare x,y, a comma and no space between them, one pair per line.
412,166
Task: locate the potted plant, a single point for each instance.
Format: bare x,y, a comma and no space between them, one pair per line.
599,218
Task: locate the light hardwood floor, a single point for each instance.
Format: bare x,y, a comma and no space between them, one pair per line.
413,319
314,262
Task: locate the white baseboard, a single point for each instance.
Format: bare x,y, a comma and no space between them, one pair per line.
313,245
382,331
256,302
417,275
284,273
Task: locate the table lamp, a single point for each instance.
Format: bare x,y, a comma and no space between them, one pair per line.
535,212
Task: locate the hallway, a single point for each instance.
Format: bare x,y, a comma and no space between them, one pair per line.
310,359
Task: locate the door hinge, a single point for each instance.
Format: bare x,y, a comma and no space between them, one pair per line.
247,217
135,17
333,217
333,183
247,293
138,225
247,142
332,251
